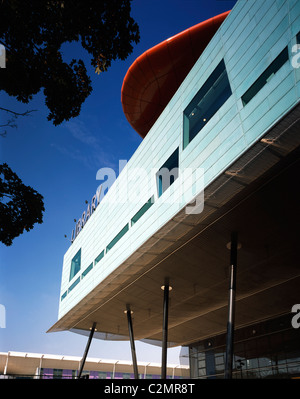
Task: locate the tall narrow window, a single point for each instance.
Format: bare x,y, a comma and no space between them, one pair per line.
212,95
75,264
264,78
168,173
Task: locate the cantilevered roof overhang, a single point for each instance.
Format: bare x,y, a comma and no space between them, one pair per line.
155,76
258,196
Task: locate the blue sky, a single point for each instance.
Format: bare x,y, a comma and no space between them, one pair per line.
61,163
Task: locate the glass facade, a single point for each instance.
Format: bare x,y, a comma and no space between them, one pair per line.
209,99
270,349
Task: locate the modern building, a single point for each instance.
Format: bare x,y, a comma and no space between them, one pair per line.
46,366
196,242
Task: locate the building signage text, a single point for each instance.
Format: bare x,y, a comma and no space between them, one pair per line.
80,223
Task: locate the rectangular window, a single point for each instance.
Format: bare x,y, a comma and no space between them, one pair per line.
264,78
143,209
99,257
64,295
87,270
75,265
117,237
73,285
209,99
168,173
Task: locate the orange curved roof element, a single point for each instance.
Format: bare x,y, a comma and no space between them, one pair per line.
154,77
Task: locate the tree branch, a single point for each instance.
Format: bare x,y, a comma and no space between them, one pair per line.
17,113
6,195
11,122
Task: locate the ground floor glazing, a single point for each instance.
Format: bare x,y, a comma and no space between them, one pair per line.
269,349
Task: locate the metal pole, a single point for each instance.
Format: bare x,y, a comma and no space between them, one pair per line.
231,307
133,353
165,332
86,350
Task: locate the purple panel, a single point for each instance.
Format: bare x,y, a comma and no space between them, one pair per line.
47,374
93,374
155,376
67,374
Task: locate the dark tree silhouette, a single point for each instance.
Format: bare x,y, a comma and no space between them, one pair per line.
20,206
33,32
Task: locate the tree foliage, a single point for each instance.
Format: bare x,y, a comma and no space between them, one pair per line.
33,32
20,206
